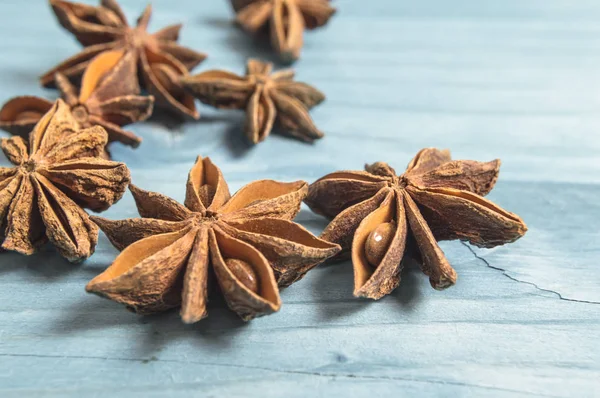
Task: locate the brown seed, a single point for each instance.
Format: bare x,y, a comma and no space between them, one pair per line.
378,241
244,273
207,193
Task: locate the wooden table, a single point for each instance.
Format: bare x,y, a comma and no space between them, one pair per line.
516,79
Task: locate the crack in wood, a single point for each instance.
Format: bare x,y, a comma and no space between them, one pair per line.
505,273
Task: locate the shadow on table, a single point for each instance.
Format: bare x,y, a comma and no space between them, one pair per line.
95,313
243,43
408,293
335,285
46,263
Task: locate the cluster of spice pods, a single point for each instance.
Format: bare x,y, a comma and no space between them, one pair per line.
246,245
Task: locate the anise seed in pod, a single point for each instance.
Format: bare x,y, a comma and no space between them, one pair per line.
247,241
378,242
435,199
244,272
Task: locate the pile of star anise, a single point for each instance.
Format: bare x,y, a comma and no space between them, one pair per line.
246,245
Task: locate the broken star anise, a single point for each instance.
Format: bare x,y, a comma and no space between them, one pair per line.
267,98
377,215
56,174
243,239
108,98
284,20
159,58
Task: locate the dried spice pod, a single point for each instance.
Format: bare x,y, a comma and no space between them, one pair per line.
105,28
283,20
376,212
268,99
56,173
248,240
109,97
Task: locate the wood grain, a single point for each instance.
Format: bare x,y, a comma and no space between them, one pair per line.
516,80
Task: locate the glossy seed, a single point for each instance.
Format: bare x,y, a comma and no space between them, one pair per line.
378,242
244,273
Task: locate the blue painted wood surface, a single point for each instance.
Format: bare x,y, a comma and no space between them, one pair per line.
516,79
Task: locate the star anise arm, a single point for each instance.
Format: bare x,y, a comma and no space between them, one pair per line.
15,149
68,91
65,144
426,160
68,227
156,205
283,75
162,74
20,114
433,261
466,175
266,198
24,231
116,133
221,89
113,6
146,275
306,94
287,30
144,19
122,111
316,13
455,214
195,282
206,187
168,33
74,67
111,74
257,67
248,304
342,228
260,116
90,25
252,16
52,127
291,250
293,117
7,174
123,233
337,191
377,256
92,183
188,57
10,183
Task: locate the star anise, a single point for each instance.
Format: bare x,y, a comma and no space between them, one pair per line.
284,20
108,97
55,175
104,28
377,214
267,98
243,239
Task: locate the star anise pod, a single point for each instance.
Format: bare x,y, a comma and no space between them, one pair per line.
267,98
56,174
243,239
377,215
284,20
159,58
108,97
